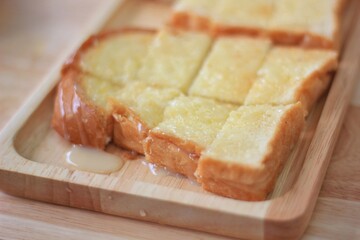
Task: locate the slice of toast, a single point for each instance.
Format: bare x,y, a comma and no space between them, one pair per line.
137,108
291,74
242,16
230,69
114,56
82,114
248,153
223,16
189,126
174,58
82,111
307,23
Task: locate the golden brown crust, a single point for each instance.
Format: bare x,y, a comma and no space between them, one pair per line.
176,154
253,183
304,39
129,131
315,85
192,21
312,40
219,30
76,118
311,91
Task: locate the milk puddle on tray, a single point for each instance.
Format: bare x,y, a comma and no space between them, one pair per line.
93,160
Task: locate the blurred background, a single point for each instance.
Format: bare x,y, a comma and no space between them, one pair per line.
32,34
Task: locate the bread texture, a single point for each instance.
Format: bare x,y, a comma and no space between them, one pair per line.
174,58
307,23
248,152
114,56
137,108
188,127
230,69
291,74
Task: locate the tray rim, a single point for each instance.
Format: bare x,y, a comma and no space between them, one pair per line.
298,218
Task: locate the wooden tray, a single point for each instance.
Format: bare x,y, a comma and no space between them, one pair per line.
32,155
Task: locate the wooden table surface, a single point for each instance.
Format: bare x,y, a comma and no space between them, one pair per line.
32,35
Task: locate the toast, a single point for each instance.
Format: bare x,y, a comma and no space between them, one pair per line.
230,69
137,108
82,110
189,125
119,59
174,96
307,23
248,152
168,68
218,17
114,56
291,74
174,58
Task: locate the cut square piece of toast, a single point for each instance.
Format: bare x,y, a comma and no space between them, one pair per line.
291,74
137,108
115,56
189,125
243,16
223,16
230,69
307,22
174,58
247,154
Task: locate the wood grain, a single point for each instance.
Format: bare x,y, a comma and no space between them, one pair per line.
28,215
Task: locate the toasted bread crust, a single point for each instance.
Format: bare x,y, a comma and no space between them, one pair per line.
315,85
76,118
253,183
129,131
304,39
192,21
311,91
312,40
173,153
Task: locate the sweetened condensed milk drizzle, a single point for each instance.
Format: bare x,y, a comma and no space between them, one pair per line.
93,160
